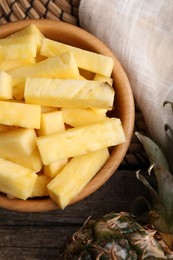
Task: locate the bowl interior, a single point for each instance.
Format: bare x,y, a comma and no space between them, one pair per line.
123,106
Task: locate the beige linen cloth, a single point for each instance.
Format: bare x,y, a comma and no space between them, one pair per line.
140,33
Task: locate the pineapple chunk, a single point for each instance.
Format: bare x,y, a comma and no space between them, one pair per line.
80,140
69,93
80,116
5,86
54,168
17,143
19,114
99,77
51,122
87,60
16,180
40,187
56,67
24,47
30,30
32,161
8,65
75,176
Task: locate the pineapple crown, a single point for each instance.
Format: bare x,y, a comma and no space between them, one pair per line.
160,210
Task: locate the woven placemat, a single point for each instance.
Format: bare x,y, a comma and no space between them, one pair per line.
67,11
64,10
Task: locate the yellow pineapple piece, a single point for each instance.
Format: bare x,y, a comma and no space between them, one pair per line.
18,48
80,140
54,168
75,176
40,187
20,114
30,30
16,180
17,143
69,93
32,161
99,77
5,86
51,122
8,65
87,60
80,116
54,67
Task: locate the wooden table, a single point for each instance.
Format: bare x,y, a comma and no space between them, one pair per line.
41,235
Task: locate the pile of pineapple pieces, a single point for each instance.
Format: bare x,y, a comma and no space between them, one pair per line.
54,131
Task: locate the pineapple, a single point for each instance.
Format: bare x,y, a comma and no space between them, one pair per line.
30,30
75,175
115,236
8,65
80,116
17,143
86,60
80,140
69,93
16,180
20,114
55,67
51,122
160,210
40,186
5,86
31,161
18,48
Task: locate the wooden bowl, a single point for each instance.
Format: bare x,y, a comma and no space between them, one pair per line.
124,107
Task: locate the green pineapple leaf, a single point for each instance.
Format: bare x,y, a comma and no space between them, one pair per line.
153,151
161,215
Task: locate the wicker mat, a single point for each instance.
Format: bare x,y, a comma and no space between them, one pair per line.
67,11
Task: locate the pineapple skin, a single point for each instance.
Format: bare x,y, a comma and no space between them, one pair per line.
115,236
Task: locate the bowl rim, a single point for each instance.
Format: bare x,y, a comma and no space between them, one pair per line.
46,204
